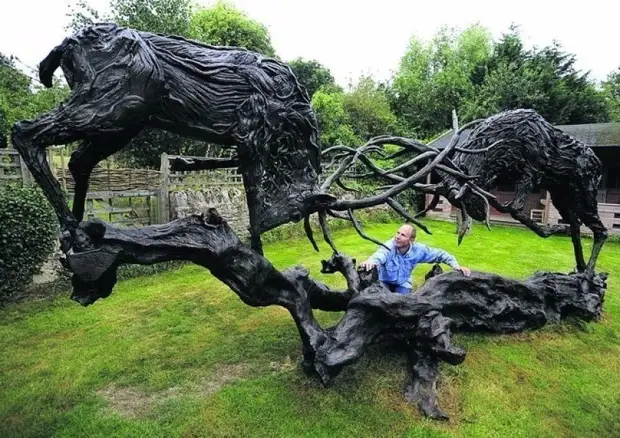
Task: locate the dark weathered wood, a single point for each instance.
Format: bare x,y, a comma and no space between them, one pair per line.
521,147
423,321
246,101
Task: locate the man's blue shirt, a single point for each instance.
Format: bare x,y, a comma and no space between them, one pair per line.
396,268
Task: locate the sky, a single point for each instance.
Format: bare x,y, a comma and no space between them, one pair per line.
352,39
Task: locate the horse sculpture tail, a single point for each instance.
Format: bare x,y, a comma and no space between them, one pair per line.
48,66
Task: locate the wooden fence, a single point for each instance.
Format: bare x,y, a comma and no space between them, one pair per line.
12,168
125,197
129,197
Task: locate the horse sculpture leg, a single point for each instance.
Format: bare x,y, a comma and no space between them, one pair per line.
86,157
30,139
593,222
253,198
575,234
540,230
82,117
586,209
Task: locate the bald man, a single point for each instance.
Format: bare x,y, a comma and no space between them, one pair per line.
396,265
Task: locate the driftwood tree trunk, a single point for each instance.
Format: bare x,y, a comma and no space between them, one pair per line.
423,321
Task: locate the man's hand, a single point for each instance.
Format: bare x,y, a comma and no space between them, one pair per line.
465,271
367,265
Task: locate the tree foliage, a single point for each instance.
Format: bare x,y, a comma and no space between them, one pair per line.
353,117
434,77
611,94
313,76
368,109
469,72
224,25
159,16
334,122
22,98
544,79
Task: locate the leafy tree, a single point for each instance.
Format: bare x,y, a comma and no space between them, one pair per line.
159,16
435,77
15,92
82,14
313,75
20,99
368,110
333,120
543,79
224,25
352,118
611,93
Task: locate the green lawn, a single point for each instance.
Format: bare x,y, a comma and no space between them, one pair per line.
178,354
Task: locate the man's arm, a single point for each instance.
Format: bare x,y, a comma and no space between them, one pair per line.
436,255
379,257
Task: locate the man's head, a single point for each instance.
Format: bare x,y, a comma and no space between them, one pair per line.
404,236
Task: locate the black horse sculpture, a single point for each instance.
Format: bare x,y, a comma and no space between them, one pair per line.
520,146
123,81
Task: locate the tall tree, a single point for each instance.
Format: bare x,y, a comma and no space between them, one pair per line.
368,110
543,79
20,98
611,94
224,25
435,77
334,122
159,16
313,75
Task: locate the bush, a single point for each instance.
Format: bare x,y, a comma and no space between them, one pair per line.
28,230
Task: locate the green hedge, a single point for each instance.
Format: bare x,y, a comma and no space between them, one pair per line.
28,231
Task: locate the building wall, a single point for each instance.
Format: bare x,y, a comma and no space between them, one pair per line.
445,210
609,214
229,201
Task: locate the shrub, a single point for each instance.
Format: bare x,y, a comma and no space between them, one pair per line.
28,230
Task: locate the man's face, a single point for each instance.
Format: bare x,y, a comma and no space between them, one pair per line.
403,237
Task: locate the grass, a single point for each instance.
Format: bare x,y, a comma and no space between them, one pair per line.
178,354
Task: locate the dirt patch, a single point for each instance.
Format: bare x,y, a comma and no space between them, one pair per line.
283,366
221,376
131,402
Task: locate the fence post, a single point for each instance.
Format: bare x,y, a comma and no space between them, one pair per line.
26,176
163,199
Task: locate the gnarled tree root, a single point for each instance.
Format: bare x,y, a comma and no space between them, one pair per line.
423,321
